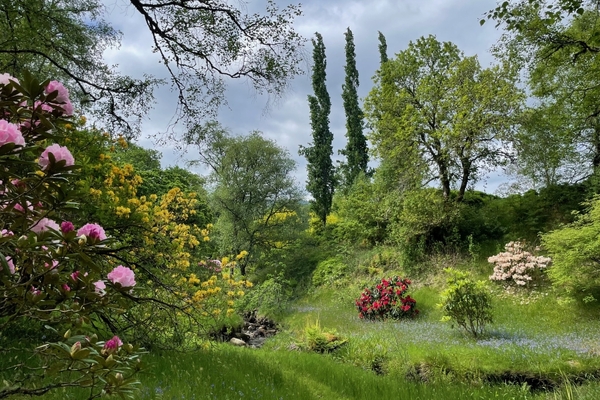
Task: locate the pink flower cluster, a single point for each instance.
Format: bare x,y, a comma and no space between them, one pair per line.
123,276
517,265
112,345
44,224
62,97
10,133
60,153
93,231
11,265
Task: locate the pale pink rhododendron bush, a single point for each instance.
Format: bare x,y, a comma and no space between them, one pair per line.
53,274
518,266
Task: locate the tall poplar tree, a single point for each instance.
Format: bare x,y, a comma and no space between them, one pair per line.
382,48
321,178
356,154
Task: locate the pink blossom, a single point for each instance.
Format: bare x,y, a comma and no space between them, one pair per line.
75,276
10,133
100,287
35,291
6,233
43,225
113,344
60,153
11,265
66,227
62,98
6,78
20,208
123,276
44,106
93,231
66,287
53,266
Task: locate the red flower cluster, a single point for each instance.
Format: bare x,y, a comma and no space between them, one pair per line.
387,300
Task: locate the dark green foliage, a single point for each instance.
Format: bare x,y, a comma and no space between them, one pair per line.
356,151
321,174
383,57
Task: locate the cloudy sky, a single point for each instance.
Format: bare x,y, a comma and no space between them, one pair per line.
287,120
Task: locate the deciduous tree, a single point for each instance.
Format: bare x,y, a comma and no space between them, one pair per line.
444,117
200,44
254,194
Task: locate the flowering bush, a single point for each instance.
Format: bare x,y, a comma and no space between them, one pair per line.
515,265
51,281
387,300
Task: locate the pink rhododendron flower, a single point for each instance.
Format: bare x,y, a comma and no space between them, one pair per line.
66,287
75,276
122,275
11,265
20,208
10,133
66,227
53,266
93,231
6,78
6,232
100,286
35,291
44,106
60,153
112,345
44,225
62,98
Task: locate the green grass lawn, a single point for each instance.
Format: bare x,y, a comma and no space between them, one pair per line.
536,342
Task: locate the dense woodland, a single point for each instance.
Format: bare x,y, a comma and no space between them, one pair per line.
112,266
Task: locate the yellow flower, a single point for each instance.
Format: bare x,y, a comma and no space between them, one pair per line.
230,312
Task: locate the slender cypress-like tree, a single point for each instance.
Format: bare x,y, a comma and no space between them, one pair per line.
321,177
356,154
382,48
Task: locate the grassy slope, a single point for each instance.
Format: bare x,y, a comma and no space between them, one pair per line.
534,337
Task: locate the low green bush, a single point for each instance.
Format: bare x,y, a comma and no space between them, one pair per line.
321,340
466,302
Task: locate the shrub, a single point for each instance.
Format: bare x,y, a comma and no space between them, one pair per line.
270,297
321,340
329,271
51,273
518,266
574,249
387,300
466,302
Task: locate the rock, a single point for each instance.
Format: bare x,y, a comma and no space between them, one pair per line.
237,342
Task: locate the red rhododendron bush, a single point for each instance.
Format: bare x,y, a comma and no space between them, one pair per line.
387,299
54,277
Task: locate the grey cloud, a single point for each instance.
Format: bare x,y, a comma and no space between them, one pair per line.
287,120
